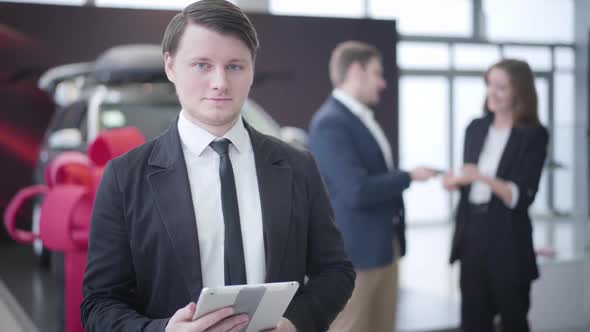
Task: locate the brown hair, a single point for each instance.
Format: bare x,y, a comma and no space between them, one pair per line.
522,81
347,53
218,15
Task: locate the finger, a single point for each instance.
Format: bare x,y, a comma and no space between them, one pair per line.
239,327
233,323
210,319
184,314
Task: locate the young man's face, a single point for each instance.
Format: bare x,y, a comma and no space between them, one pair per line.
371,82
212,73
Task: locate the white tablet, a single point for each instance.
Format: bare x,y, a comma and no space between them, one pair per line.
265,304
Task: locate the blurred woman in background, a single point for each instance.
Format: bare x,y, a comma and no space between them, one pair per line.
503,157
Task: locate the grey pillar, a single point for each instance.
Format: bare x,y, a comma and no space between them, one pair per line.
581,134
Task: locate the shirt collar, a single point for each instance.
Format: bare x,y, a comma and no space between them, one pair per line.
355,106
197,139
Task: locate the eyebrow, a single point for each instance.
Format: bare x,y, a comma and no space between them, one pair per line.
207,59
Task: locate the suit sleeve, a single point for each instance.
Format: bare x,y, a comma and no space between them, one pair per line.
530,167
334,149
331,274
400,233
109,279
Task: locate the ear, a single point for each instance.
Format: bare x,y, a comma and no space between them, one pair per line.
355,69
169,66
253,72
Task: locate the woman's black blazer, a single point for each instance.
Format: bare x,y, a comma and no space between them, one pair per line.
510,249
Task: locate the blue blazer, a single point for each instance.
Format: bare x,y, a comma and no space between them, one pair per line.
365,195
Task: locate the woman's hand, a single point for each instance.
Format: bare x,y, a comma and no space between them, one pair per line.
470,174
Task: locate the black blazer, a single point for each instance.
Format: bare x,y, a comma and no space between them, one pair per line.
511,252
143,254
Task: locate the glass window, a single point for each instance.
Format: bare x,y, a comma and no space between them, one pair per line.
543,97
51,2
563,141
563,181
564,58
148,4
426,17
152,119
530,20
540,205
539,58
335,8
424,142
475,57
422,55
564,99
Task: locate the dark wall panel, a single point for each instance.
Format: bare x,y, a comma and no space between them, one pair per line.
291,72
293,64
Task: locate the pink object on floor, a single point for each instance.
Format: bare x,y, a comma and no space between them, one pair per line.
71,181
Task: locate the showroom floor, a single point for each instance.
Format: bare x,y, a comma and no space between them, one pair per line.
429,301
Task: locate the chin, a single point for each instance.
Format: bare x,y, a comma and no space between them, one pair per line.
493,108
223,120
372,103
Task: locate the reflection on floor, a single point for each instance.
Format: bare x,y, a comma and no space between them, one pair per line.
11,314
429,285
33,287
429,299
429,296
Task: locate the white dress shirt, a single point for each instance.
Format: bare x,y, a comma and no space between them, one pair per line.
488,163
367,117
202,164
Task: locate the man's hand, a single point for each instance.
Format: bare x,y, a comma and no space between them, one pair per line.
422,174
469,174
450,182
284,325
218,321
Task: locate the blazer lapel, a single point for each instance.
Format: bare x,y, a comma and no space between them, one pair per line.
478,140
170,185
361,128
275,178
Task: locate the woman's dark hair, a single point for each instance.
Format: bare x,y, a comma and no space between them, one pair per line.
522,82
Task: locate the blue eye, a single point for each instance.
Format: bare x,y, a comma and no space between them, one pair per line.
201,65
235,67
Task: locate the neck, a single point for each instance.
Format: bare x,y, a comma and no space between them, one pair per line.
216,130
350,91
503,120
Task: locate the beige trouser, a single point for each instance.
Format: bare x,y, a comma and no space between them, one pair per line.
372,306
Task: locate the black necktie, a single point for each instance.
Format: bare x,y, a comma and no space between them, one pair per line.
235,268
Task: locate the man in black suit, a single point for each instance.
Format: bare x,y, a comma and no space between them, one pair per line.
211,202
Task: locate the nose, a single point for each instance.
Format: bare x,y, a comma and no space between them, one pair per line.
382,85
219,80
